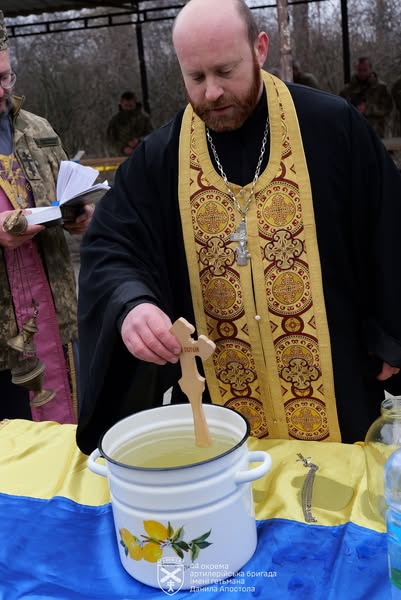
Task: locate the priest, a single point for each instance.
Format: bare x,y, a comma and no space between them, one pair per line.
265,214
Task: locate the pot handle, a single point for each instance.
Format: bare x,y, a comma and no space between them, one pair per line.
257,472
94,467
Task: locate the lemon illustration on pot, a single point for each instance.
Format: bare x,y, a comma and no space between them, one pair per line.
150,545
132,545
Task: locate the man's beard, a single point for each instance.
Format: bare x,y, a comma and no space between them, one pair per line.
242,108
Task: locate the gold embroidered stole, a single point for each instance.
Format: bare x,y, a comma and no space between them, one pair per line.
273,359
13,182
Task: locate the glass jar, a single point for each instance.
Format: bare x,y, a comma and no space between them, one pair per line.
392,493
382,439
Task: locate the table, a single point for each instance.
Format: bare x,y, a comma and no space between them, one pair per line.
58,539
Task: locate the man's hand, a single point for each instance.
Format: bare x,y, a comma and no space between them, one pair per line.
146,333
131,145
387,372
362,107
81,223
8,240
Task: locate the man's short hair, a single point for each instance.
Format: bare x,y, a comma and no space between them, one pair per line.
363,59
128,96
247,16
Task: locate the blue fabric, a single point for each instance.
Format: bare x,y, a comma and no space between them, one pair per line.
57,549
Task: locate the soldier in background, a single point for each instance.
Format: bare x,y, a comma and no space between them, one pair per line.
374,100
396,93
127,127
303,78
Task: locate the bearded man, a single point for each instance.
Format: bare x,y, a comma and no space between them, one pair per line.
38,322
266,214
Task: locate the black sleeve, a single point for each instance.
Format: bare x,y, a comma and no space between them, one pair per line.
129,255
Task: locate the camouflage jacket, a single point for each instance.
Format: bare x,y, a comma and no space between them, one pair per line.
374,94
125,126
39,151
306,79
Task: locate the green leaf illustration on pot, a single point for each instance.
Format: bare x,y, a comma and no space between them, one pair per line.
150,547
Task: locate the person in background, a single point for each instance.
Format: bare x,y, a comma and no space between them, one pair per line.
38,323
303,78
375,101
396,94
128,127
267,215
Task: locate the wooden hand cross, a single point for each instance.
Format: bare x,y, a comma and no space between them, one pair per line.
191,382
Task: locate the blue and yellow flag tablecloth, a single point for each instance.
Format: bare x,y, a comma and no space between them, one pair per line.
58,539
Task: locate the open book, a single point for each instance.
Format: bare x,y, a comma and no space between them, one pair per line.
75,188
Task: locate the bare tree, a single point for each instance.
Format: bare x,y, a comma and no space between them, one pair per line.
75,78
301,42
285,40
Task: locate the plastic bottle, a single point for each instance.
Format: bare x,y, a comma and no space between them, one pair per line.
392,494
382,439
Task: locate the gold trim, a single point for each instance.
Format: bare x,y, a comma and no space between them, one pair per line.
195,162
73,380
315,273
11,188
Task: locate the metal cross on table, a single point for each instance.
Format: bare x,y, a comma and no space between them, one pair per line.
242,249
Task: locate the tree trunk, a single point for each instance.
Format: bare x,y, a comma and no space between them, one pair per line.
380,22
300,34
285,40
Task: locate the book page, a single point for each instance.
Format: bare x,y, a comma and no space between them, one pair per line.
90,196
43,214
73,179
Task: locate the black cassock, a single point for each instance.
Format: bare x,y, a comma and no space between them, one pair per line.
133,252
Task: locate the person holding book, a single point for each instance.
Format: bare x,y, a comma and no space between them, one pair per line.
267,215
38,327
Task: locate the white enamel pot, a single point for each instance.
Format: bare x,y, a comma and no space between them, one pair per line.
188,526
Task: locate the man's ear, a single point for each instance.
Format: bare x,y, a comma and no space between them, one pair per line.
262,48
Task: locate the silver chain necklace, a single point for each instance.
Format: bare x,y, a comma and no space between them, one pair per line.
240,235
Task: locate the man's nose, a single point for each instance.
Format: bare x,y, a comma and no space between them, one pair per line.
213,90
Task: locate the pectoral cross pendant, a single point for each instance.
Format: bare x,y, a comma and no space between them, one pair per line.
242,248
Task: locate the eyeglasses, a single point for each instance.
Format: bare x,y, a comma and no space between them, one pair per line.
8,80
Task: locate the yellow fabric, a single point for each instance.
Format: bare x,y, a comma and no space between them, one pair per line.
41,460
339,490
277,370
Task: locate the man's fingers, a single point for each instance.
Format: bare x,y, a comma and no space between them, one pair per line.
146,333
153,346
387,372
